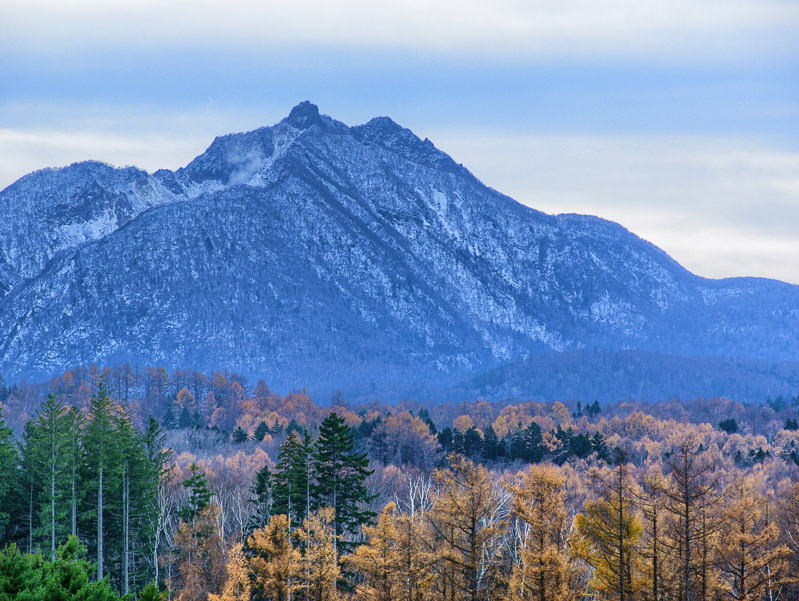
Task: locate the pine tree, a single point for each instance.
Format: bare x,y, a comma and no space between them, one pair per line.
47,442
543,572
151,593
340,474
158,462
262,497
490,444
136,488
276,562
75,424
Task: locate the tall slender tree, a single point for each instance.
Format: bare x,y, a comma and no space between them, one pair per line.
102,462
9,474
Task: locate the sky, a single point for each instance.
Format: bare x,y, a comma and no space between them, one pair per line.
678,119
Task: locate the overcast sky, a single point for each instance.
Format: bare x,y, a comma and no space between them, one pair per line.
679,119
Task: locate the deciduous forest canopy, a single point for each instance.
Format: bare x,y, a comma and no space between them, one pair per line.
191,486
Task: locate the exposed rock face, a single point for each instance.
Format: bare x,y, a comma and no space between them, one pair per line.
313,253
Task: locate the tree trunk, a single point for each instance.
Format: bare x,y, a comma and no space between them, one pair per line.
100,526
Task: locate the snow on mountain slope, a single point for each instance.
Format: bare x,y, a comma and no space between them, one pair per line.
313,253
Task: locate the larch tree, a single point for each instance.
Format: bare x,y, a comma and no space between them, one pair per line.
691,499
237,584
320,560
543,571
751,560
466,518
607,534
275,561
377,561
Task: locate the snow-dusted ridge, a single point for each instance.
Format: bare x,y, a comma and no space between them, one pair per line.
315,253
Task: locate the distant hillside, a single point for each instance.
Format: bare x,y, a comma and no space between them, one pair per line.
313,253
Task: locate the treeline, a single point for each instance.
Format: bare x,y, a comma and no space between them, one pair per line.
275,497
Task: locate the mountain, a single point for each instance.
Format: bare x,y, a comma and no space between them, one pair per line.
313,253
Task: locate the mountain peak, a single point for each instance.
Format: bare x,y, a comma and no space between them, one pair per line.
304,115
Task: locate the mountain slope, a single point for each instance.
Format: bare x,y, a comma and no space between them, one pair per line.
312,253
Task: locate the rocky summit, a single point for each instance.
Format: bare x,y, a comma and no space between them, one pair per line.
311,253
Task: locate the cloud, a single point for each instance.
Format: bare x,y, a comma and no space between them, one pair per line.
507,29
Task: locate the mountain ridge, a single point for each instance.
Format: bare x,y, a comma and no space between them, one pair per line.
348,255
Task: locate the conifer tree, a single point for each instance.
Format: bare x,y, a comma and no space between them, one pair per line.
466,520
543,571
291,493
102,462
47,443
691,499
237,584
393,562
340,474
751,560
262,497
261,430
276,563
607,534
9,474
158,462
75,424
199,495
377,561
320,559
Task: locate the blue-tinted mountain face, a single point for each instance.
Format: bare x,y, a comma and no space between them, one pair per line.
313,253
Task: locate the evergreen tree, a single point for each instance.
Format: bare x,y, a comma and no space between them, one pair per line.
260,431
262,497
49,441
75,424
9,475
199,494
239,435
291,493
490,444
102,463
340,474
136,488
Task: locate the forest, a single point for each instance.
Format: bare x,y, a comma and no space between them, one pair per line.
136,483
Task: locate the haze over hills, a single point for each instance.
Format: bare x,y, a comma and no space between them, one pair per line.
315,254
